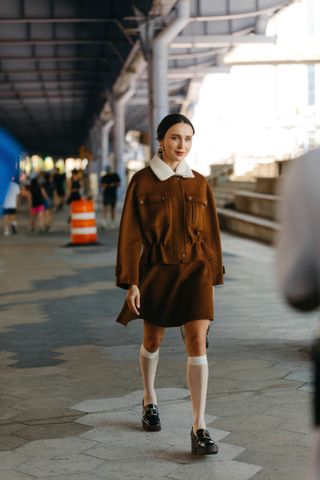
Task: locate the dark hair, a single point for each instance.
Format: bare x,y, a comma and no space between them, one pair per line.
170,120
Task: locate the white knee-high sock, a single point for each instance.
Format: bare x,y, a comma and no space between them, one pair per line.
148,366
197,375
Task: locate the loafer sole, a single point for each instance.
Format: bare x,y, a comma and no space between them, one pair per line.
205,451
151,428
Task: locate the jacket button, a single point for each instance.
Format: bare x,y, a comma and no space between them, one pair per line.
190,198
141,201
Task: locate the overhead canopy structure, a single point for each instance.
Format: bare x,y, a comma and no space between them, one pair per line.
62,59
59,60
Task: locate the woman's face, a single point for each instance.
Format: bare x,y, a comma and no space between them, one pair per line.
177,142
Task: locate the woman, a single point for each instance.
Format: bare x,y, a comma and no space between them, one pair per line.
38,198
169,256
74,190
49,189
75,187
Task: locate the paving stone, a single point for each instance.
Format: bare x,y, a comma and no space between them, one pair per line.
51,430
60,465
7,413
248,423
300,424
14,475
307,387
226,452
55,447
43,414
10,442
304,375
10,428
77,476
107,404
12,460
224,470
143,468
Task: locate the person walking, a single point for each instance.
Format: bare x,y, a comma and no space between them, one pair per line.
49,189
110,183
168,259
75,188
59,180
298,265
10,209
38,198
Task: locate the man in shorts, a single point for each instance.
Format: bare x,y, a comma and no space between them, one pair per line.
10,209
110,183
59,180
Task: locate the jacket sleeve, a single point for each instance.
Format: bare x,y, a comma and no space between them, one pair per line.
212,238
297,256
129,242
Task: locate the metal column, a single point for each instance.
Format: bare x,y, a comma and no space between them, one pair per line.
119,110
160,64
106,129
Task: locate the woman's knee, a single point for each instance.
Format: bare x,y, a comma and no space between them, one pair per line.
152,344
196,343
153,337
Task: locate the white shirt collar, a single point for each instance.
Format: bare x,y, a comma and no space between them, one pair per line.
163,171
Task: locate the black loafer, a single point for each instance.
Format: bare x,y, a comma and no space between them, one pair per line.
202,443
150,418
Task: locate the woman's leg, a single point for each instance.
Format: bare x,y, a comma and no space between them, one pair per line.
41,220
6,225
197,369
149,356
33,221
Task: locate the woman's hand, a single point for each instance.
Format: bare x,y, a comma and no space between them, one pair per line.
133,299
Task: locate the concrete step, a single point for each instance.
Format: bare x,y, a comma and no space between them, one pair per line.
224,198
249,226
268,185
258,204
232,185
225,193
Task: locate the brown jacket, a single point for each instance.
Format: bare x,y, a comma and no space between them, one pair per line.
168,221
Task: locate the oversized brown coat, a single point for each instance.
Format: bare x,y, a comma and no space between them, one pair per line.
167,222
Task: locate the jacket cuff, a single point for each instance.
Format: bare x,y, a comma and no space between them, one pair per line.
125,279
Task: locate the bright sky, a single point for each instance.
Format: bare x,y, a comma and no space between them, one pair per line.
260,113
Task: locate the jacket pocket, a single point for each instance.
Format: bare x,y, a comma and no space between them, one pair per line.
153,210
196,208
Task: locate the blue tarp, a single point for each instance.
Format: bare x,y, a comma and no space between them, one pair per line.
10,154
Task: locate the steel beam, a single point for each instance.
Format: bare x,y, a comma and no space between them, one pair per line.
55,58
207,41
51,83
196,73
58,20
52,71
62,41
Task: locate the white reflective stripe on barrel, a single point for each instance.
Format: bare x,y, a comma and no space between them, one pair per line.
83,216
83,231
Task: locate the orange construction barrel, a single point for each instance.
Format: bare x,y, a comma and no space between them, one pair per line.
83,222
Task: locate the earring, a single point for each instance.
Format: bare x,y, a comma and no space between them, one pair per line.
160,149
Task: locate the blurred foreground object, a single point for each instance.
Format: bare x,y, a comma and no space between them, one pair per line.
10,153
298,263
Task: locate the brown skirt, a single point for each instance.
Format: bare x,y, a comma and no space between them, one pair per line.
172,295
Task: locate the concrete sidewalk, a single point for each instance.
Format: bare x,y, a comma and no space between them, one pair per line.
71,387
